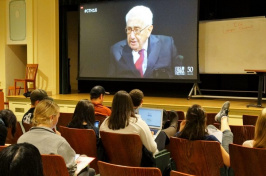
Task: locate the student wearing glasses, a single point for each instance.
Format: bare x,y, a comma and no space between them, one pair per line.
143,55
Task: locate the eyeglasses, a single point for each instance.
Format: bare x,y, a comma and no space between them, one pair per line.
135,30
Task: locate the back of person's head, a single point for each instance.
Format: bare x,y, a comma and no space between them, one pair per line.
8,119
122,110
21,159
84,112
38,95
172,115
136,96
260,130
43,111
195,128
97,91
140,12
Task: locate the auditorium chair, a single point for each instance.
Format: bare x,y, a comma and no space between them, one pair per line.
247,161
242,133
210,118
26,126
11,91
108,169
13,139
127,153
30,76
1,99
54,165
64,119
2,147
249,119
176,173
83,141
199,157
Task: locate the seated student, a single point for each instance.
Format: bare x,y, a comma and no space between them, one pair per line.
7,120
137,99
124,120
36,96
97,95
260,132
44,136
21,159
83,117
194,128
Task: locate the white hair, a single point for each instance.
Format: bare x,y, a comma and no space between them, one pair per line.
140,12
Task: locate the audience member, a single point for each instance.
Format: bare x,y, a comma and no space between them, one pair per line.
7,120
124,120
194,128
83,117
36,96
137,98
44,136
260,132
97,95
21,159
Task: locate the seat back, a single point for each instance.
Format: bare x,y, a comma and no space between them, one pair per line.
176,173
100,118
181,115
64,119
107,169
1,99
210,118
247,161
123,149
2,147
26,126
249,119
13,139
83,141
31,71
242,133
196,157
54,165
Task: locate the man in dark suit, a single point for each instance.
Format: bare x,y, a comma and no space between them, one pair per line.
142,54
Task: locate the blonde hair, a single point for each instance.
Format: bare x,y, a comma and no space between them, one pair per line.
260,130
43,111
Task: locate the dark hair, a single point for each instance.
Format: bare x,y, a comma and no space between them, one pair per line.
84,112
136,96
21,159
122,110
195,128
97,91
9,119
38,95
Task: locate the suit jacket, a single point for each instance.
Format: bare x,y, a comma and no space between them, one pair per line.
162,58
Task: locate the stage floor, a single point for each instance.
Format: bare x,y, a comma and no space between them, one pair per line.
238,107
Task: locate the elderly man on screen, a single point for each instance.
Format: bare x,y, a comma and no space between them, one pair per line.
143,55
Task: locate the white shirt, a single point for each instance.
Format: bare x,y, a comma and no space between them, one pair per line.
135,127
136,56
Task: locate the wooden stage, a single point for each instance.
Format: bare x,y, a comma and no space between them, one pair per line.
67,102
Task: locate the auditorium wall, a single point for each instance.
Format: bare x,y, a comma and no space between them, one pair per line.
41,45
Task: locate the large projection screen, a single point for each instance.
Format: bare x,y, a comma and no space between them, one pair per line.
172,47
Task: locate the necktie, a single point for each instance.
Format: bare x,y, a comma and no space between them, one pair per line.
139,62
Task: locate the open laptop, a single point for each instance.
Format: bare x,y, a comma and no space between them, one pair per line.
153,117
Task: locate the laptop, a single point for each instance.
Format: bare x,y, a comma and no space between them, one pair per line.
153,117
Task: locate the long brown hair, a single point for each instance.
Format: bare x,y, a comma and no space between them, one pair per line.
122,110
195,128
260,131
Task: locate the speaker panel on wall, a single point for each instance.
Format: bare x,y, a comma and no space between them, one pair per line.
17,20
